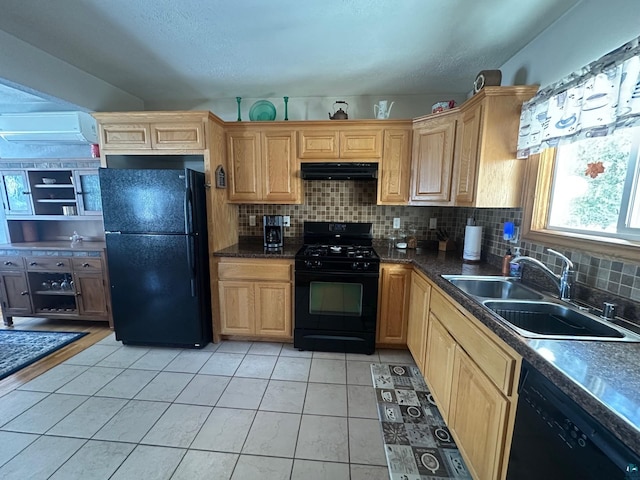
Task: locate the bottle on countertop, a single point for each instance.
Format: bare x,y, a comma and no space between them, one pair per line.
515,269
506,263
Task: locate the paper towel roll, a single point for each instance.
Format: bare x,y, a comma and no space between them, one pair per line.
472,243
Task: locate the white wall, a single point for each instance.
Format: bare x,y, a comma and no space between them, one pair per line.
318,108
23,64
585,33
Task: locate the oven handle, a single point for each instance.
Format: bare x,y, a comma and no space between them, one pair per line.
315,274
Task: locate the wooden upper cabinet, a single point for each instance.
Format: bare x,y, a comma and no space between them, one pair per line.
318,144
263,167
362,144
245,166
180,131
177,136
347,143
393,170
280,167
432,159
125,136
486,171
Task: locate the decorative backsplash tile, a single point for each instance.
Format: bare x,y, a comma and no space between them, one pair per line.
355,201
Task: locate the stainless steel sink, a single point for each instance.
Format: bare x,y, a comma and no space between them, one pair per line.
535,315
492,287
555,320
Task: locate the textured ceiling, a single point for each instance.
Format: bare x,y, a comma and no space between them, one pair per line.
194,50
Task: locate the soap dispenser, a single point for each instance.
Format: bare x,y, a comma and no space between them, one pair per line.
506,263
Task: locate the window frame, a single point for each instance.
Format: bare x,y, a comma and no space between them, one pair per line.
536,197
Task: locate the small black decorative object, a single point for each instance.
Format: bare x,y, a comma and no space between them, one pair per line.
221,177
487,78
286,111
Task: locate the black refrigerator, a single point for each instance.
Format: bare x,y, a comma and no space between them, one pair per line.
157,254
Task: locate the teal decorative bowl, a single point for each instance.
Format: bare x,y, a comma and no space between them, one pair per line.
262,110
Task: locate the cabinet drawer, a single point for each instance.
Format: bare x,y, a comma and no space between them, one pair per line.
87,264
255,270
497,364
59,264
11,263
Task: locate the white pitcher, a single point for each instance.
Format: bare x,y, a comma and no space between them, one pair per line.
382,110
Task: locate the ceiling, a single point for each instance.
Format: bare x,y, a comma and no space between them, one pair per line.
195,50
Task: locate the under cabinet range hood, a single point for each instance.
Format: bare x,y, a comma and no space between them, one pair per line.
48,127
339,171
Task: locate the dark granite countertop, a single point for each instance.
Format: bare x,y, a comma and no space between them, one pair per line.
253,248
602,377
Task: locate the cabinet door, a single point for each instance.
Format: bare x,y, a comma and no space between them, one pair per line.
91,295
125,136
280,179
243,151
273,309
318,144
467,160
393,182
439,364
87,187
478,416
177,136
418,319
16,193
237,308
393,310
363,144
15,293
432,161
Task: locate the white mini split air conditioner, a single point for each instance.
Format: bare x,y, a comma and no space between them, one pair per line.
48,127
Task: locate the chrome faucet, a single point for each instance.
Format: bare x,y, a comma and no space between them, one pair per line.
564,281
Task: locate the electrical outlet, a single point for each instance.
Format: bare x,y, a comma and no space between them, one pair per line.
286,221
396,223
433,223
252,220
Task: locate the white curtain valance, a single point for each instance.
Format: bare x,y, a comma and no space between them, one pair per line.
591,102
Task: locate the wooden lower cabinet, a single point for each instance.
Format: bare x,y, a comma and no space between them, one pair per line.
418,318
255,297
471,373
441,347
478,415
393,304
54,286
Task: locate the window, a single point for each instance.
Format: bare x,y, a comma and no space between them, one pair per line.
595,186
587,192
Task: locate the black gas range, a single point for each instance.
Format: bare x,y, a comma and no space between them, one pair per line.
336,288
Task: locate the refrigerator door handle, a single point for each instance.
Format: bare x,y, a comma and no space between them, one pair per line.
188,211
191,263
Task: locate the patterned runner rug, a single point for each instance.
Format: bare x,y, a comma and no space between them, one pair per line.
19,348
417,442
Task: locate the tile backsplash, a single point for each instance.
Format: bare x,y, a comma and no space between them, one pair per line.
355,201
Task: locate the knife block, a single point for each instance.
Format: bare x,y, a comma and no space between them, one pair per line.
446,245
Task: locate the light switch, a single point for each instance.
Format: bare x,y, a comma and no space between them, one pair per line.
433,223
396,222
252,220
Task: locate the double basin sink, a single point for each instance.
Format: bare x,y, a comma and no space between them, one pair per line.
534,315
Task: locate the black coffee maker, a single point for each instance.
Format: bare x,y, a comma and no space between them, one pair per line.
273,231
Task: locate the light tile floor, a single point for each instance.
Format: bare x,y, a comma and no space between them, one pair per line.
234,410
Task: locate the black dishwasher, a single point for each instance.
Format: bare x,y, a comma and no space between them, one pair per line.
554,438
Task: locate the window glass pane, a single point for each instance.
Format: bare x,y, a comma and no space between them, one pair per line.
588,184
334,298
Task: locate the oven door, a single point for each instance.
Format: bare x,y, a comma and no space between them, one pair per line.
336,301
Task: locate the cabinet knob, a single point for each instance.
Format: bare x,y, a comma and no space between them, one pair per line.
33,264
78,293
8,263
59,264
26,193
25,292
85,265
